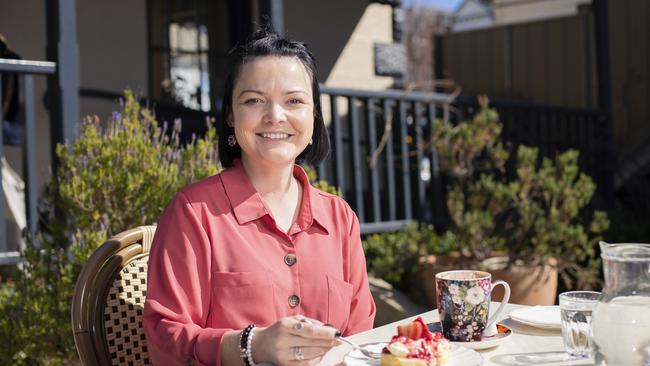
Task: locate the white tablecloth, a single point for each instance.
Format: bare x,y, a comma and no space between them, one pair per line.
527,346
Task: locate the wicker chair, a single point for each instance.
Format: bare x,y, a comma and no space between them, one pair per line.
108,301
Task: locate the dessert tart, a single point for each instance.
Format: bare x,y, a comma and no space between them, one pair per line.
415,345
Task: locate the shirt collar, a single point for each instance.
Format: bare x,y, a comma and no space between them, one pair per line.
247,204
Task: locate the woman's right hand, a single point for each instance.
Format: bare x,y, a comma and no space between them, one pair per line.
293,340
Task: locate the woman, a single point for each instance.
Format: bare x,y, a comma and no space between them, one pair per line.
254,265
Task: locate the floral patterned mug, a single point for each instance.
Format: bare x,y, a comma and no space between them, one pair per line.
463,299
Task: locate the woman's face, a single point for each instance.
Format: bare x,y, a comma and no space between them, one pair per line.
272,110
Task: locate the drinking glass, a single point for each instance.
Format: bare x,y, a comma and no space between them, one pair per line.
576,308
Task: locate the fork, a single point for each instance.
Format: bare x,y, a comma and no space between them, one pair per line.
364,351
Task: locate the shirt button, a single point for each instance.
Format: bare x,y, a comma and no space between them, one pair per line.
290,259
294,301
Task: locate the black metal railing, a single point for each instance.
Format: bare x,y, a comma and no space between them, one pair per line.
376,162
26,70
405,184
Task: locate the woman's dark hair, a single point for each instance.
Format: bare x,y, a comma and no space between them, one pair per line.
262,44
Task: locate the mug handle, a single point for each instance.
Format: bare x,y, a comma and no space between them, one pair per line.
504,302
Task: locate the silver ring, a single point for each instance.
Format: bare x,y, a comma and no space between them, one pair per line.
298,326
297,352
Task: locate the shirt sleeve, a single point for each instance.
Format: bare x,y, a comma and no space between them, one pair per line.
362,309
178,291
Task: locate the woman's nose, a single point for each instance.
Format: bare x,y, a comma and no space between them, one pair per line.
274,113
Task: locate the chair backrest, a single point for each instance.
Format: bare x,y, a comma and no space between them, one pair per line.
108,301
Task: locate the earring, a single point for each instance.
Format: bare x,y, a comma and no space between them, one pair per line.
311,142
232,141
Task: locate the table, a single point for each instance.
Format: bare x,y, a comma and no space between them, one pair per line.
527,346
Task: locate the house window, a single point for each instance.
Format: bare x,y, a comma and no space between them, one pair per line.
188,80
179,53
189,42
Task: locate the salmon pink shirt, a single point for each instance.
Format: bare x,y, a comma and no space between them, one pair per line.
218,262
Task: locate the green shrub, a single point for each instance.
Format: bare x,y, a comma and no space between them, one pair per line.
110,179
393,256
538,216
541,214
470,147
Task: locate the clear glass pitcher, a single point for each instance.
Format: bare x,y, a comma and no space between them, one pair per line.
620,326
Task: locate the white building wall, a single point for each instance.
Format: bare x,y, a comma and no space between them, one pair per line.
472,15
517,11
341,34
112,37
355,66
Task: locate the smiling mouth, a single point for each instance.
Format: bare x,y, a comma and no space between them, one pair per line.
274,136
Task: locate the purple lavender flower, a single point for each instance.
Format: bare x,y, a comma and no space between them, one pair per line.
104,222
177,124
117,116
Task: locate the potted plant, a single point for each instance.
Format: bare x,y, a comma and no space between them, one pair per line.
526,230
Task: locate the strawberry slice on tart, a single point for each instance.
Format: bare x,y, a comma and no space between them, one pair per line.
415,345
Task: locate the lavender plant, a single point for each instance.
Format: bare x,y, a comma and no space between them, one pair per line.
116,175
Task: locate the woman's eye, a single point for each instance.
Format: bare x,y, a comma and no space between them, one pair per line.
253,101
296,101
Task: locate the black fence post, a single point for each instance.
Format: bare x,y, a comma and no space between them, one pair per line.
63,87
604,135
29,156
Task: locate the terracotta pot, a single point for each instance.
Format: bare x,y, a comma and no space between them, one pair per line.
530,285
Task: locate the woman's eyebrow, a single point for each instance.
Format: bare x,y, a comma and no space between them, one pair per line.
297,91
250,91
293,91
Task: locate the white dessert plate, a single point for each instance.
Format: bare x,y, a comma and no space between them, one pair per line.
503,332
460,356
547,317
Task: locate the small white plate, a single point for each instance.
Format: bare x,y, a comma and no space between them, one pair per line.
547,317
460,356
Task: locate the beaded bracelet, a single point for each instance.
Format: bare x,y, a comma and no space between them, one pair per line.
245,343
249,349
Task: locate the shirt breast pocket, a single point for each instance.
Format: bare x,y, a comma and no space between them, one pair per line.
241,298
339,300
